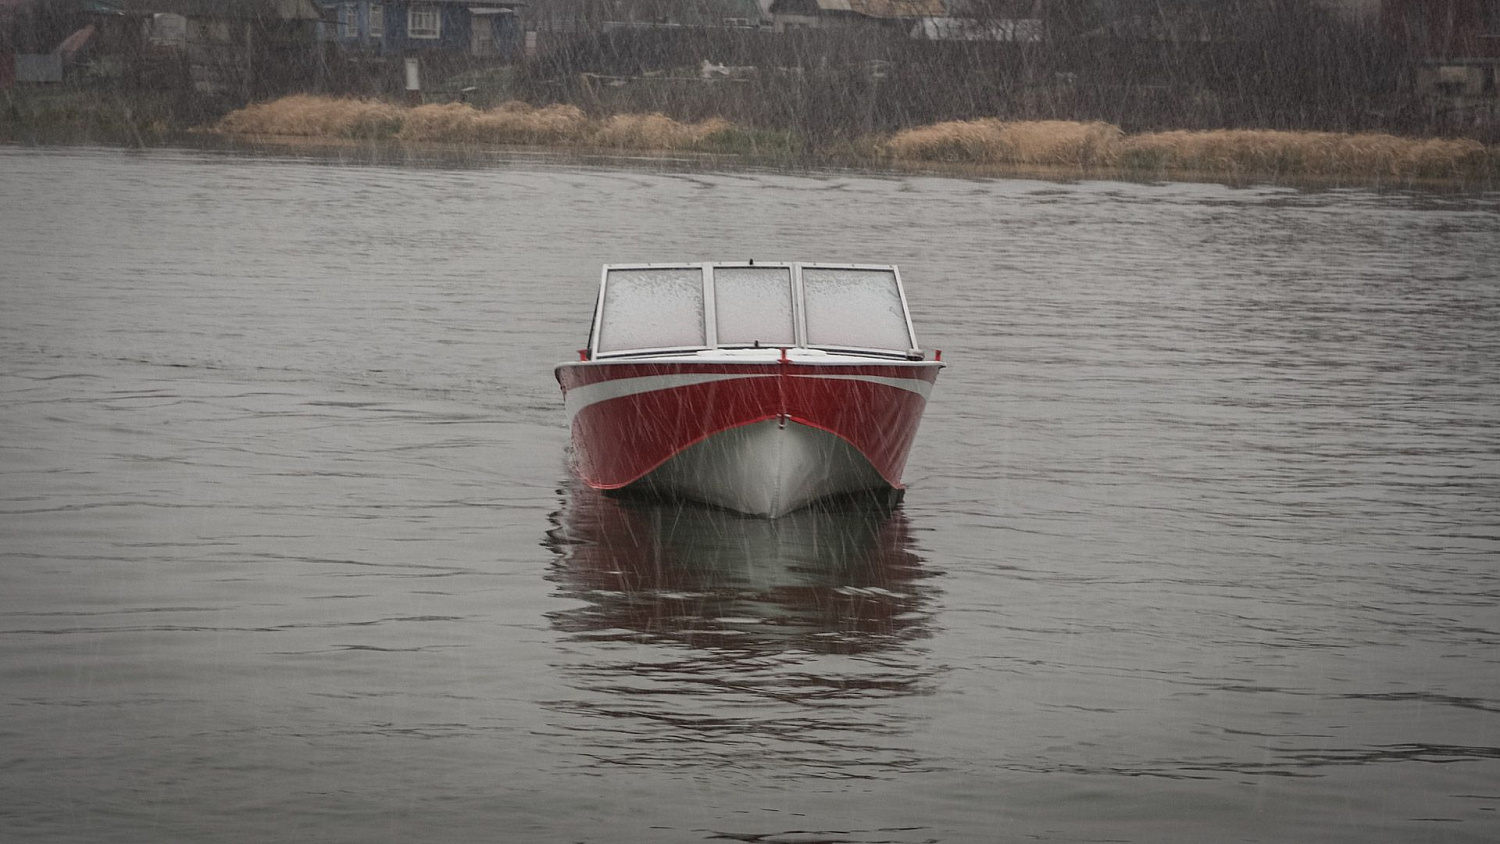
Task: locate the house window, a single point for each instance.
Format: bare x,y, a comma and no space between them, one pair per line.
424,22
377,22
350,22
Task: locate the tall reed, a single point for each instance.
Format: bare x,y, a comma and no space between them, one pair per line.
312,116
1304,153
1219,153
657,131
1223,152
507,123
990,141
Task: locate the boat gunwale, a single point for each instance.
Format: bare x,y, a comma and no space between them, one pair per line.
695,360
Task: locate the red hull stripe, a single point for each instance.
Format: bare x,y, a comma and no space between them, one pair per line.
916,385
626,426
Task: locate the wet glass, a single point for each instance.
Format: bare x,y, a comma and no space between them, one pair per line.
753,303
652,309
858,309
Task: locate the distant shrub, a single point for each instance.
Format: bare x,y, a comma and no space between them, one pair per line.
1224,152
1060,141
508,123
1442,157
445,123
310,116
1304,153
990,141
1231,152
516,122
738,140
959,141
657,131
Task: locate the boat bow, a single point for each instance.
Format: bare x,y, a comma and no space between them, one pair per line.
762,430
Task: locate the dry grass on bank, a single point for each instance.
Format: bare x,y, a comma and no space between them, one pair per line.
657,131
1221,152
1305,153
989,141
1047,143
509,123
308,116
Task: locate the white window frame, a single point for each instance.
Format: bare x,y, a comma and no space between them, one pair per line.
798,336
911,333
710,329
350,21
710,317
377,22
423,13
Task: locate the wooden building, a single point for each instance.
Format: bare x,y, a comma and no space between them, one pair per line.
1456,48
478,28
242,49
900,15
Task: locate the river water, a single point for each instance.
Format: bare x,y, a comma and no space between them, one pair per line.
1202,541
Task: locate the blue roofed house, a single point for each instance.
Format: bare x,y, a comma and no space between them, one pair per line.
480,28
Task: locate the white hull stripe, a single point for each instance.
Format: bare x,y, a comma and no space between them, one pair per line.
578,398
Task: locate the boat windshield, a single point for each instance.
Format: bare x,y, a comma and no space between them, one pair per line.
664,308
855,308
754,305
652,308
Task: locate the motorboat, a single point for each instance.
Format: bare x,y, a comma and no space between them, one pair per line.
757,387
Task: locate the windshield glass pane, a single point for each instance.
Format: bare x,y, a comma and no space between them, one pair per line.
753,303
855,308
652,309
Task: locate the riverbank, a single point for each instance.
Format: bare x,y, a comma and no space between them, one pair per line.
1049,148
1216,154
1090,148
508,124
83,114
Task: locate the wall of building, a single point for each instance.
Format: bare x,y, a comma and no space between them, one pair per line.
1364,12
1448,29
500,33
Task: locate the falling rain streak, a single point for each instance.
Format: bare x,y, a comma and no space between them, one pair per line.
1200,542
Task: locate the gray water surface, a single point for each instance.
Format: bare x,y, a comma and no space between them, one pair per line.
1202,541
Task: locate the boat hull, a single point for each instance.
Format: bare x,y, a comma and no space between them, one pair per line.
763,437
765,469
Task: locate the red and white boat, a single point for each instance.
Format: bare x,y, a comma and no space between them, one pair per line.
752,386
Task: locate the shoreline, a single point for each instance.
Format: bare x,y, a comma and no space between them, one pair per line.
1059,151
394,151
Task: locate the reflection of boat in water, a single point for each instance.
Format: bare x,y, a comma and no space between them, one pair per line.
703,640
837,577
756,387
